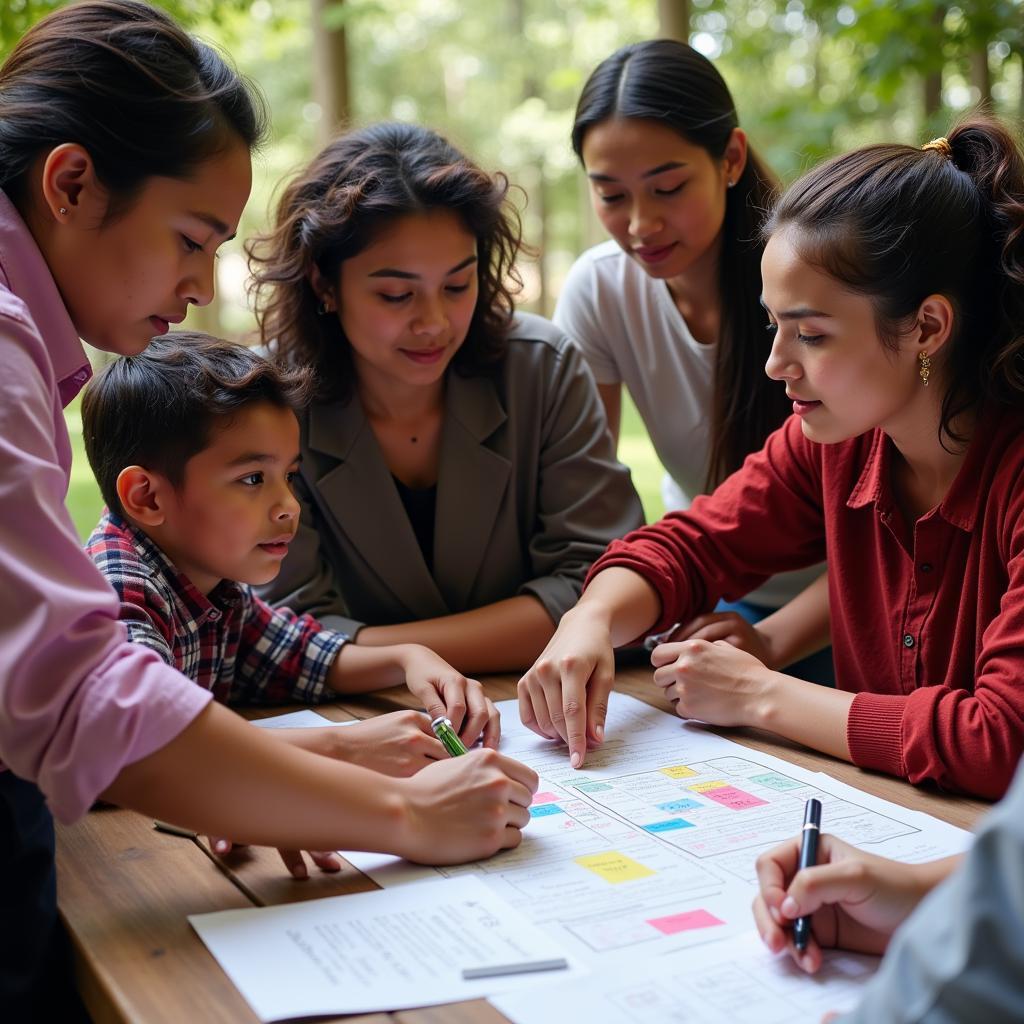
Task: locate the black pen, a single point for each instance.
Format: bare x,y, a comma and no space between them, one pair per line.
808,858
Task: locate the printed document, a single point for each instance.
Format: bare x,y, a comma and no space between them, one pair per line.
376,950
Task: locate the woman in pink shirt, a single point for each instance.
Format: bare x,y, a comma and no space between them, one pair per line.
124,164
894,281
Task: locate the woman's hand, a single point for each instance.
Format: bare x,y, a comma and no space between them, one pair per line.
733,629
855,899
445,691
465,808
714,682
565,695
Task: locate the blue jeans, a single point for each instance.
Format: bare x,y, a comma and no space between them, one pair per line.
815,668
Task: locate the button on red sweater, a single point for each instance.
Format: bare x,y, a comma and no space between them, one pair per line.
927,623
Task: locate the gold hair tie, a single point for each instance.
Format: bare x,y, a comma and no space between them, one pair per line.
941,145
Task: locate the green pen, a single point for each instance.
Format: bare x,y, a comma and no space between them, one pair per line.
449,738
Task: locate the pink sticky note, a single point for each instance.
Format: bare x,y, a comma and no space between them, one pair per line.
734,798
545,798
686,922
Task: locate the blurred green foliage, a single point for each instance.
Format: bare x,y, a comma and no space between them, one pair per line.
501,78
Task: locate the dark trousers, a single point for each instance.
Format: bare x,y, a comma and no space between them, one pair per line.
35,961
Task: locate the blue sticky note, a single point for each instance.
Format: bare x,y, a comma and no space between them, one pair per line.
668,826
679,805
543,810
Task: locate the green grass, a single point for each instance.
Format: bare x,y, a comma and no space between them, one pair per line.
85,504
84,501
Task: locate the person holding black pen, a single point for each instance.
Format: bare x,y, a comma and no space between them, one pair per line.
952,930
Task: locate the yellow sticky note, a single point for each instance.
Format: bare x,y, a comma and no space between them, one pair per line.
614,867
677,771
703,787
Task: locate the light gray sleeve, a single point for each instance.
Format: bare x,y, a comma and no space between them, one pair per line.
586,498
960,956
306,581
576,313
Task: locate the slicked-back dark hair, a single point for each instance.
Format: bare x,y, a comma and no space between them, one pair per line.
897,224
123,80
351,191
160,408
670,83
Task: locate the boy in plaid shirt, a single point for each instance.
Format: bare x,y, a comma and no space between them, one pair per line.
194,444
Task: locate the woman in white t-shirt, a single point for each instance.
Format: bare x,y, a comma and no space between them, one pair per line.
670,306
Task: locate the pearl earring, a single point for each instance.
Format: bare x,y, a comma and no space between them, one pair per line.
63,210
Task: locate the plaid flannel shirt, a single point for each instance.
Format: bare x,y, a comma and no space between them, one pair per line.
230,642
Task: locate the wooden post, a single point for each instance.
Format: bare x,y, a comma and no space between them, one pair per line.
330,71
674,19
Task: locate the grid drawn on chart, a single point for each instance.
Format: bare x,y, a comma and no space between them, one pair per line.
645,855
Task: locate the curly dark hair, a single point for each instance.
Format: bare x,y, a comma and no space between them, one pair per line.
336,207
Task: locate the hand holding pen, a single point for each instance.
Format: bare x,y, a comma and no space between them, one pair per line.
855,900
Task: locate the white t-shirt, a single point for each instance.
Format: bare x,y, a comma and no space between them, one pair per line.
631,332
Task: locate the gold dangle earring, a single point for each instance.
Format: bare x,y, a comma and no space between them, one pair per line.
925,368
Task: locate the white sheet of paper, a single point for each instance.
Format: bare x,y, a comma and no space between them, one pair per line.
376,950
736,980
304,719
651,847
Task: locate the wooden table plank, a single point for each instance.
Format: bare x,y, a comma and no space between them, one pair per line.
124,891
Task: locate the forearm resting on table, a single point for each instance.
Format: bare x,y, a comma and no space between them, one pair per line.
806,713
221,776
503,637
800,628
360,669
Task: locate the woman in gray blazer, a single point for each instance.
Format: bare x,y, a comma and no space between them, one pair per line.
458,477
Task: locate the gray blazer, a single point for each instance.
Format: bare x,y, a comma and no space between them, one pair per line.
529,493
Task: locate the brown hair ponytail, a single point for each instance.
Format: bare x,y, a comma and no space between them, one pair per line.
897,223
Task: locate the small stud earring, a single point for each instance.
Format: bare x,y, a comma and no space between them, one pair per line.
63,210
322,308
730,184
925,368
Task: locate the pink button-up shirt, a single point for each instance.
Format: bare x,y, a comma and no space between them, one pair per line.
77,701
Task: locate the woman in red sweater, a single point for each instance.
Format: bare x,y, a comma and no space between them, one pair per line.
894,281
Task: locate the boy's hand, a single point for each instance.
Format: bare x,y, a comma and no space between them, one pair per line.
465,808
397,744
445,691
856,900
293,859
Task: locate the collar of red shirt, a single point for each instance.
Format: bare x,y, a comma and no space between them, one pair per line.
996,427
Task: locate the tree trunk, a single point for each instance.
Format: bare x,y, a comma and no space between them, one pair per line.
330,71
981,74
1020,98
933,80
674,19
